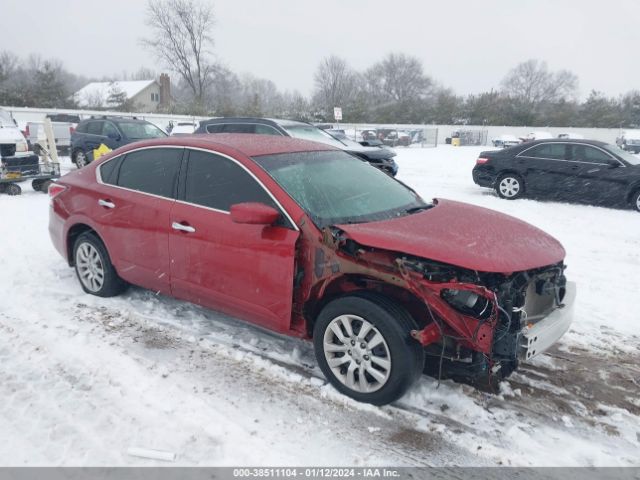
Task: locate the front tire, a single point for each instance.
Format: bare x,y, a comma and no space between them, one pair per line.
94,269
510,186
635,200
363,346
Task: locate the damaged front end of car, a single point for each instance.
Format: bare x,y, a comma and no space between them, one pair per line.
475,327
484,324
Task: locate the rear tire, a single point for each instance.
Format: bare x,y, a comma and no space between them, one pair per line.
12,189
94,269
363,346
80,158
510,186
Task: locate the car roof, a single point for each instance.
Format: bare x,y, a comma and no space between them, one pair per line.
595,143
266,121
251,145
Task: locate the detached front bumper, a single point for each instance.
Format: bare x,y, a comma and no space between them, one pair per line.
538,337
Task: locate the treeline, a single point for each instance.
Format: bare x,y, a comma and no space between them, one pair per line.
394,90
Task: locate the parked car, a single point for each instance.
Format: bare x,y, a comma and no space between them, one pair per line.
305,239
505,141
61,132
380,157
539,135
571,135
182,128
113,132
11,138
629,141
574,170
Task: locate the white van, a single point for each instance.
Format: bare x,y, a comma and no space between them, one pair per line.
11,138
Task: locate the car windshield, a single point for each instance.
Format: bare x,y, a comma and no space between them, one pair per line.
140,130
322,184
309,132
626,156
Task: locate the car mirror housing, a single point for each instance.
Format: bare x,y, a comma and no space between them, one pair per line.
613,163
254,213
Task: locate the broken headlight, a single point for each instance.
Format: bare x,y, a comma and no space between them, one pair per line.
468,303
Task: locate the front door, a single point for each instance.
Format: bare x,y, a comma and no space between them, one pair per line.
244,270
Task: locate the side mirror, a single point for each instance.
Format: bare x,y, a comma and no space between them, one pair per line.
613,163
254,213
114,136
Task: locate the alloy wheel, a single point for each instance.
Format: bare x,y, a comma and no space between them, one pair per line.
90,267
357,353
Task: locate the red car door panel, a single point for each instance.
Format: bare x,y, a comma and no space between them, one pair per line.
243,270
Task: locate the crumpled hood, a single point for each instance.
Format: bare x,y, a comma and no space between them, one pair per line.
464,235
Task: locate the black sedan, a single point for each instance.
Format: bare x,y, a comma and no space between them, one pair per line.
574,170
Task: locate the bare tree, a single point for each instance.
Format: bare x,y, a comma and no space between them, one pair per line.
336,85
532,83
8,64
397,89
182,39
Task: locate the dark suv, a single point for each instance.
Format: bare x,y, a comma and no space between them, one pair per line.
113,132
378,156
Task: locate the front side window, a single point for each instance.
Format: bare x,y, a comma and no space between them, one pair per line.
309,132
239,128
216,182
266,130
626,156
585,153
110,130
153,170
323,184
555,151
140,130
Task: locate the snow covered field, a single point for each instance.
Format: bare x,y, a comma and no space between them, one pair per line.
84,379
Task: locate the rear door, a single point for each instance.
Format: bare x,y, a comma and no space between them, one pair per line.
92,138
133,206
244,270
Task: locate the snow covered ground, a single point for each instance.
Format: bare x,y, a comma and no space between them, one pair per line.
84,379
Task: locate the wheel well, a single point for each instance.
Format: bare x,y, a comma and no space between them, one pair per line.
632,191
349,284
74,232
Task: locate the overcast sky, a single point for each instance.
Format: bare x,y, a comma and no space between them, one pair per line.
465,45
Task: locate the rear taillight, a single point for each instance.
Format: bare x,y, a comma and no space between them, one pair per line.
72,129
481,161
26,131
55,189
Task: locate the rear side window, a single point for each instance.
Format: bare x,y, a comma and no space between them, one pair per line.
556,151
216,182
82,128
215,128
107,171
154,170
94,128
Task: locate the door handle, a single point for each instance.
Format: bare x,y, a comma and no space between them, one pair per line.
182,227
106,203
575,167
593,170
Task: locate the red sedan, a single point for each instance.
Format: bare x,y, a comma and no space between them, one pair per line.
309,241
